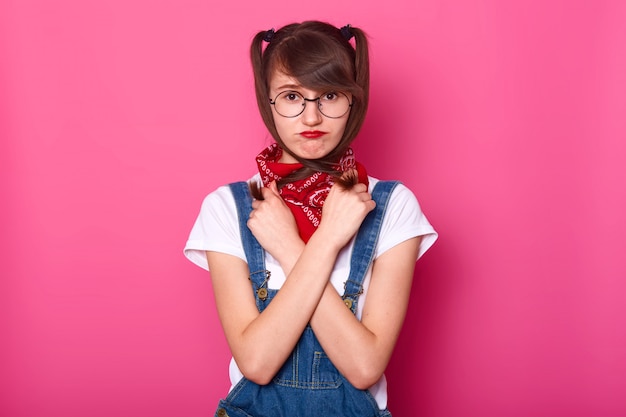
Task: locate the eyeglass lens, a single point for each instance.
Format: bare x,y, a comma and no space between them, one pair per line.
330,104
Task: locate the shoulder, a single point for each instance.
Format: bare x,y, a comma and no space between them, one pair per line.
403,220
222,198
216,228
401,194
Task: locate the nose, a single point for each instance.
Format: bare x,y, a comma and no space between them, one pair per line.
311,115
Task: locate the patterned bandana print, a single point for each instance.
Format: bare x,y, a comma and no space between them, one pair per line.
305,198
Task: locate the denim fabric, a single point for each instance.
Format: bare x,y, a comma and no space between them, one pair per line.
308,384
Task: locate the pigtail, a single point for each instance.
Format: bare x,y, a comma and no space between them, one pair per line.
362,66
256,55
255,190
260,80
256,58
362,80
347,179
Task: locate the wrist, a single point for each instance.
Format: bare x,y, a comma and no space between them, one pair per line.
291,251
328,239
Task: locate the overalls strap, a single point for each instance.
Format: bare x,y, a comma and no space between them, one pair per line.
365,243
255,254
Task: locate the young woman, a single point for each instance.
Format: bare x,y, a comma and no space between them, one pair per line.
339,244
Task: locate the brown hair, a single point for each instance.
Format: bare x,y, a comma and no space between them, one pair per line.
320,57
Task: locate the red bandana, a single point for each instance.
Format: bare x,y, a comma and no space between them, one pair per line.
304,197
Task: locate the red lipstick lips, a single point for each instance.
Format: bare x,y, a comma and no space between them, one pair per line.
312,134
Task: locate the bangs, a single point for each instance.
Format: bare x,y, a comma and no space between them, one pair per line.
317,63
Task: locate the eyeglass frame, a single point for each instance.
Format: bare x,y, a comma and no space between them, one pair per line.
319,104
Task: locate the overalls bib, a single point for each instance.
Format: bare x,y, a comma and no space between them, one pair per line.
308,384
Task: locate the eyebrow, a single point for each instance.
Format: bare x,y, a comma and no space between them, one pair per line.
289,86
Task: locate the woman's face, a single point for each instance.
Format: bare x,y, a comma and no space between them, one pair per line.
310,135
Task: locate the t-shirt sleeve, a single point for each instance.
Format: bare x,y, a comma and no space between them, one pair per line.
404,220
215,229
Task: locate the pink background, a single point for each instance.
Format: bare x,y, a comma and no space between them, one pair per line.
507,119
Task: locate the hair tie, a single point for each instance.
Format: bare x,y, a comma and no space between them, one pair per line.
269,35
346,32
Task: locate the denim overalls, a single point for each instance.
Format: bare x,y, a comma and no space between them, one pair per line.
308,384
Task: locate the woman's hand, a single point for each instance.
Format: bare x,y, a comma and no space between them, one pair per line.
344,211
273,224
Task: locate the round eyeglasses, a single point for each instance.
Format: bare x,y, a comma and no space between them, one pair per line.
331,104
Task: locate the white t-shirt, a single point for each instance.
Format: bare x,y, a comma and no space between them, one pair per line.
217,229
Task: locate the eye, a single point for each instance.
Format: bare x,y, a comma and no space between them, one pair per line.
330,96
291,97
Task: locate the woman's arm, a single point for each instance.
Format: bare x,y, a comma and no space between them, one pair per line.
361,350
260,343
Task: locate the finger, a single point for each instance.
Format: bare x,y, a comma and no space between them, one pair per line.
267,191
360,187
274,188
